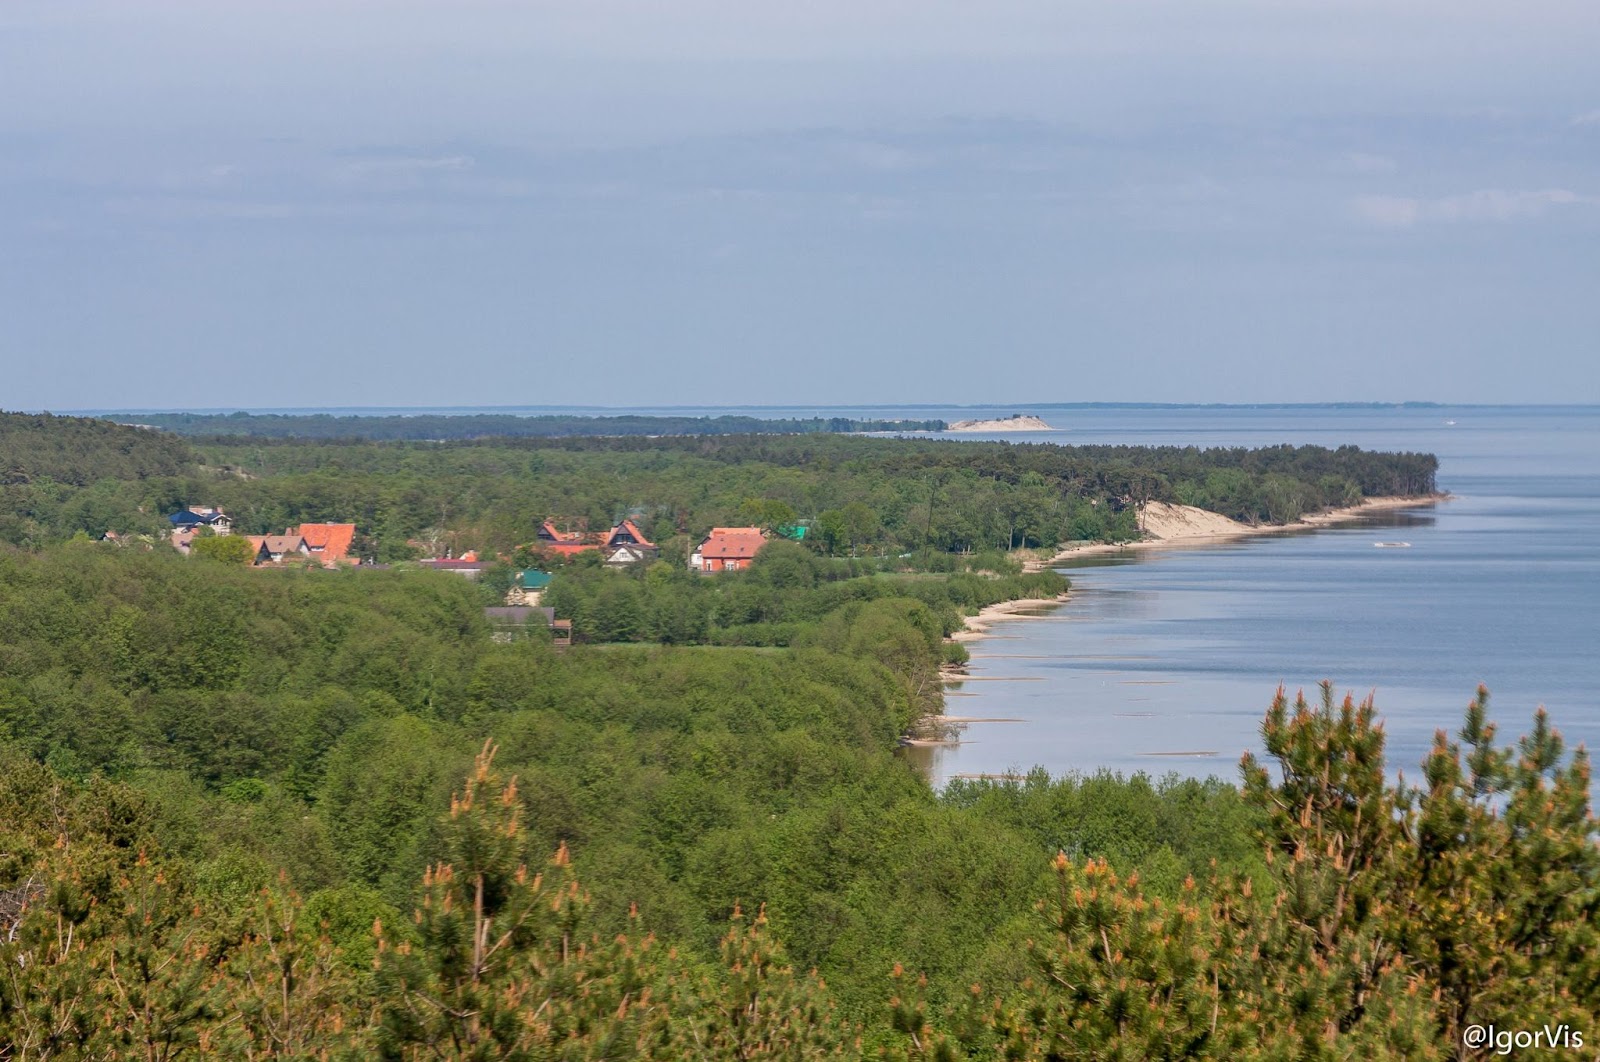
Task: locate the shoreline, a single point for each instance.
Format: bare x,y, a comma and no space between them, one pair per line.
1237,531
926,732
978,626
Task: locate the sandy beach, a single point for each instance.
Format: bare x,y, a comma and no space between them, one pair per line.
978,626
1168,525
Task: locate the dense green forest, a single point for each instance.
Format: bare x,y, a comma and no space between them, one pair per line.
308,813
77,452
508,425
859,496
295,813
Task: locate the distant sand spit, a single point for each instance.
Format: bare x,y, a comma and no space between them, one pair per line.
1020,422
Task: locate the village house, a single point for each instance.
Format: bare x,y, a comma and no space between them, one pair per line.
626,544
275,549
623,544
328,543
194,517
509,623
566,543
728,549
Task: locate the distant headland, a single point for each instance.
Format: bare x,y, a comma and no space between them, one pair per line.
1016,422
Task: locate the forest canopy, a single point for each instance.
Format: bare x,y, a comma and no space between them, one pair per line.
297,812
857,495
78,451
287,813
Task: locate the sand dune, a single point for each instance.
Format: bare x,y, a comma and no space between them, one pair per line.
1164,520
1020,422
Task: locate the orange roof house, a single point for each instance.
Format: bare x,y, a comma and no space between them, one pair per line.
328,543
627,533
626,544
728,549
567,543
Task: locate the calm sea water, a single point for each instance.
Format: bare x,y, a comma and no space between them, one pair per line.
1165,660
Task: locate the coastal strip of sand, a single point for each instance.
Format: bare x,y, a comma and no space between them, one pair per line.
1023,608
1167,525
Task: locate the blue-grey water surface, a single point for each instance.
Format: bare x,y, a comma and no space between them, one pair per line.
1165,660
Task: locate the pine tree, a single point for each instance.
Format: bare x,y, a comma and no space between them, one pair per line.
499,969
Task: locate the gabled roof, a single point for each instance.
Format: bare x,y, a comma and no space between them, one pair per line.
549,532
631,529
282,543
331,542
732,543
195,515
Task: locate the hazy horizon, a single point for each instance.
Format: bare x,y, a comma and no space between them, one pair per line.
600,410
299,205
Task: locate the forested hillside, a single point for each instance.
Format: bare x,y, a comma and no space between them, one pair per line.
76,451
300,812
289,813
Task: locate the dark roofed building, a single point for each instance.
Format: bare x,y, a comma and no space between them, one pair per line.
197,516
508,623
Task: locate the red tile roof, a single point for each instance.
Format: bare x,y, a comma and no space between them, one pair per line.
329,542
550,532
731,543
633,529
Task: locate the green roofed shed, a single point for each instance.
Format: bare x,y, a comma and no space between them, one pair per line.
533,579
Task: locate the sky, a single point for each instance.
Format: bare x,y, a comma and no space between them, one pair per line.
262,204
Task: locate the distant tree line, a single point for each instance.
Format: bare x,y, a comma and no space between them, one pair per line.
486,425
857,496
